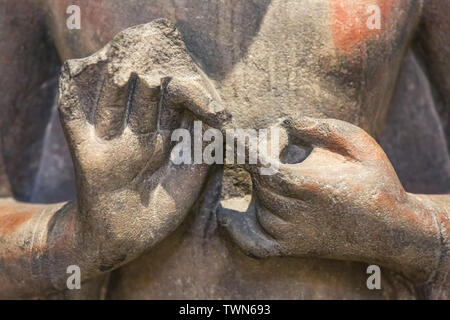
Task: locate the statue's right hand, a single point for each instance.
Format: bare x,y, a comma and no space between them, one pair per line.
119,108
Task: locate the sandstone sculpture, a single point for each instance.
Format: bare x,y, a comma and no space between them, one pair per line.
142,227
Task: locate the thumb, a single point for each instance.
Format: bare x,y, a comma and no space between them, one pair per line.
193,95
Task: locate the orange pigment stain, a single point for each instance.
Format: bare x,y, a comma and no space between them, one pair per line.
10,220
349,22
96,17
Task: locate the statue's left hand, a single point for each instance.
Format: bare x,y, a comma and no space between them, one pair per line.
344,201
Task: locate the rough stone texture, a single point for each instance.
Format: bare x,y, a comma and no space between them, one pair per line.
413,138
26,100
199,261
267,60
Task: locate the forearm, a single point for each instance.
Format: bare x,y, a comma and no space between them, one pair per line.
37,244
414,241
23,246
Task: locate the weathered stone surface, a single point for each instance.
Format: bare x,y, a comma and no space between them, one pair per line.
413,138
264,61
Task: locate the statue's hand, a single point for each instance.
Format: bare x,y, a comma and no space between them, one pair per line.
344,201
119,108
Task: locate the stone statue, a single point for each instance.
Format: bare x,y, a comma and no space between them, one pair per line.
140,226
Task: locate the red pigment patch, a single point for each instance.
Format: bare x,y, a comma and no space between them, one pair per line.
10,220
349,22
101,17
95,16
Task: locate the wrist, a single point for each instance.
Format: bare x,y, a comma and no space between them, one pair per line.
438,207
423,249
408,238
